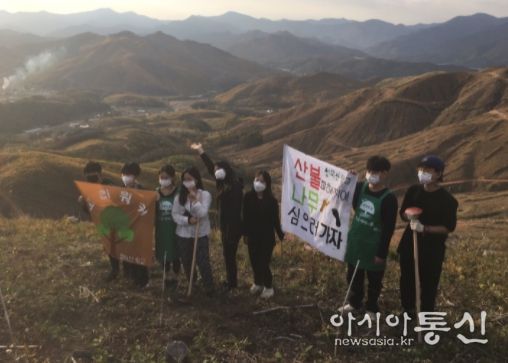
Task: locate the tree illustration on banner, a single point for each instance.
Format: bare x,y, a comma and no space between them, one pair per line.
115,226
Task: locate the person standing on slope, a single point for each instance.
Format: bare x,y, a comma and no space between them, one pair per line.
369,237
229,198
261,221
438,219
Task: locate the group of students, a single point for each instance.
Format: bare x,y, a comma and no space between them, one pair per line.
184,207
182,213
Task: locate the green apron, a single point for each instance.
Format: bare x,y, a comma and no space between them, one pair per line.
365,233
165,229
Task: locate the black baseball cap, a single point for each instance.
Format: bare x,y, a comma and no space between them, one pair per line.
432,161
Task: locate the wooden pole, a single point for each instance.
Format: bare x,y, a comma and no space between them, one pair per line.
417,281
344,302
193,266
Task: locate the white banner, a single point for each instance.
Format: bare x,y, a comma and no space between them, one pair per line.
316,202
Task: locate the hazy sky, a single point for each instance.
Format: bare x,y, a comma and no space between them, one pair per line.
397,11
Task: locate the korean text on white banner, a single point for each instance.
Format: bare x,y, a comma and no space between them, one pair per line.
316,202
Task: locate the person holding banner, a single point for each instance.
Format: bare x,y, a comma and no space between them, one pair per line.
166,246
261,220
190,212
93,174
437,220
229,197
138,273
369,237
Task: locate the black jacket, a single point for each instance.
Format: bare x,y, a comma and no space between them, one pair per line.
229,203
439,208
261,218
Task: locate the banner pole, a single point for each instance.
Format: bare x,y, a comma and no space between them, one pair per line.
282,264
163,288
345,300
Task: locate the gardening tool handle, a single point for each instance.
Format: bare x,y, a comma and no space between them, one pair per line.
194,252
417,279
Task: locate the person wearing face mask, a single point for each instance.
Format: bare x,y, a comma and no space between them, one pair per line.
166,247
438,219
229,201
190,211
138,273
375,213
261,221
93,174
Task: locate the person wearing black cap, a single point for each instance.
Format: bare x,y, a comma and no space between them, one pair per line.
370,234
438,219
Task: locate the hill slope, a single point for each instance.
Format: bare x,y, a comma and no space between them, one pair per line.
66,308
474,41
450,114
153,64
283,50
285,91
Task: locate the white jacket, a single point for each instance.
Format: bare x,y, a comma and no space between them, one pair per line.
198,209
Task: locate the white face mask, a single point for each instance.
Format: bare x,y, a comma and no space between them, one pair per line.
424,177
165,182
259,186
127,179
189,184
372,178
220,174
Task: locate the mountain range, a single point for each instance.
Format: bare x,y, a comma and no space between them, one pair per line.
477,40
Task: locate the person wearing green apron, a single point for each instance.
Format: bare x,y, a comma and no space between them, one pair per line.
369,236
166,248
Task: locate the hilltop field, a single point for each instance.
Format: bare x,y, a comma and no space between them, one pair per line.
52,280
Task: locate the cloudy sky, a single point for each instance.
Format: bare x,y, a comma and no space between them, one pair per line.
397,11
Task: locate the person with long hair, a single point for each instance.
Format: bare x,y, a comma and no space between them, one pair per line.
190,211
261,221
229,203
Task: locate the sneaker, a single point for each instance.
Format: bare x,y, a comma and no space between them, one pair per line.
348,308
267,293
254,289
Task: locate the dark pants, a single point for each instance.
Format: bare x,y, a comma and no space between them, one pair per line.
430,260
229,249
141,275
115,265
375,279
138,273
186,246
260,254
